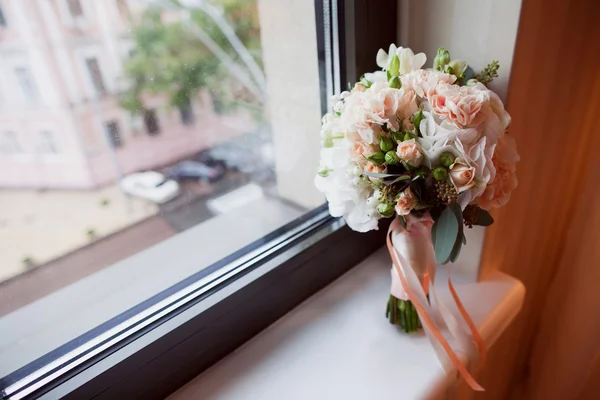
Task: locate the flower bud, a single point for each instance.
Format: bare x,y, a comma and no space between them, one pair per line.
398,136
458,67
327,141
441,59
387,210
377,158
394,65
447,159
356,170
386,144
391,157
471,82
417,118
324,172
365,82
395,83
407,136
440,174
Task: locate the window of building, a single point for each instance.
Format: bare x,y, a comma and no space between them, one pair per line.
75,8
151,122
124,10
2,19
47,143
186,114
27,84
9,143
113,133
96,75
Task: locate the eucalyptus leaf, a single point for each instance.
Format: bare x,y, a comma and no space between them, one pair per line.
402,221
444,233
398,179
378,175
458,242
484,218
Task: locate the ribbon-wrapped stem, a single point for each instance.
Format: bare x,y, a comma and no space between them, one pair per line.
414,243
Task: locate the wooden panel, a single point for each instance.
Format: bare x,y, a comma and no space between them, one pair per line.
553,108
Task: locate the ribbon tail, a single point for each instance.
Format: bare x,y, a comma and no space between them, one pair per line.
474,332
417,296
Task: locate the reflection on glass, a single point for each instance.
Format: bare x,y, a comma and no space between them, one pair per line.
124,123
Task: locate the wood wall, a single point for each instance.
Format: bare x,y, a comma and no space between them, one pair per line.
548,236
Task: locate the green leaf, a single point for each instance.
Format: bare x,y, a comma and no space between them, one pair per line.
458,242
378,175
402,221
377,158
444,233
484,218
417,118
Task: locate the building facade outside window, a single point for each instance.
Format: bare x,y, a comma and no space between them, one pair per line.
47,143
9,144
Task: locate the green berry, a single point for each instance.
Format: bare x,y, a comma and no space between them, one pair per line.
440,174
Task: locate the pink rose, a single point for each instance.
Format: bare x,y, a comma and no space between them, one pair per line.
462,176
378,169
410,152
406,202
497,193
459,104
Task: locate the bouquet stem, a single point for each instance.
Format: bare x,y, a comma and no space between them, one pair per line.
403,314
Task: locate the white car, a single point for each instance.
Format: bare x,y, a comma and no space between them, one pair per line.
151,186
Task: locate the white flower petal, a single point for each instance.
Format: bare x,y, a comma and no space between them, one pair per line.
382,59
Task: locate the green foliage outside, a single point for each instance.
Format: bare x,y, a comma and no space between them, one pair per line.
169,58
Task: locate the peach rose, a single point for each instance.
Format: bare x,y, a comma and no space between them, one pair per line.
361,150
406,202
462,176
378,169
410,152
497,193
460,104
407,103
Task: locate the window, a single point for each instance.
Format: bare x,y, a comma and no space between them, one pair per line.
114,136
47,143
75,8
186,114
2,19
124,10
126,242
27,84
95,75
10,144
151,122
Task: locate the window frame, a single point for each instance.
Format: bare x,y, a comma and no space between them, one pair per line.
154,348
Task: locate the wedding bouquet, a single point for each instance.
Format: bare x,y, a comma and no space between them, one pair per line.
427,147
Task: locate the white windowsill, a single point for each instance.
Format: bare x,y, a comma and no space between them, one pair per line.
339,345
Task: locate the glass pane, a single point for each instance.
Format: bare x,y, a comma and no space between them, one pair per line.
140,142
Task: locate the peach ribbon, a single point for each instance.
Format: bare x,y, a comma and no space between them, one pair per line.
428,313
